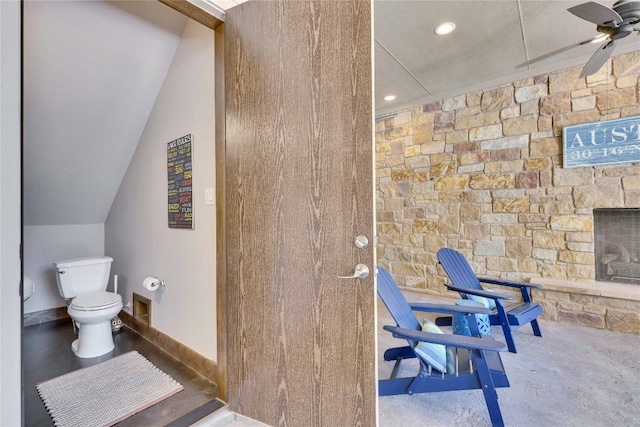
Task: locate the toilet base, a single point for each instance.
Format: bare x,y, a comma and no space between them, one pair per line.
94,339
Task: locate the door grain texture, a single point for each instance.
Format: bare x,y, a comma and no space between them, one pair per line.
299,186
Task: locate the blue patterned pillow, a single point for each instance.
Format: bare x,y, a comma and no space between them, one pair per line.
460,322
434,355
487,302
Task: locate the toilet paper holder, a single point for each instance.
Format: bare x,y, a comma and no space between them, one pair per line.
153,283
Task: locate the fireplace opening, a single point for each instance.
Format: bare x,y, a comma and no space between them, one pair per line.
617,244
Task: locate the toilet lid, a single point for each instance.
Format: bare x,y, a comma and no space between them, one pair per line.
95,301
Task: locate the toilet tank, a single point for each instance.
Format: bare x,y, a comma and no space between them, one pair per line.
80,276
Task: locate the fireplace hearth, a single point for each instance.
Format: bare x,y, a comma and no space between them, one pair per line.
617,244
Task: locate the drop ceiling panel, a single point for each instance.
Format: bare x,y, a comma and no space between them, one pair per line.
549,26
487,35
484,29
392,79
491,38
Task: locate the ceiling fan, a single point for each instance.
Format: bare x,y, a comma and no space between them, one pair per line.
612,24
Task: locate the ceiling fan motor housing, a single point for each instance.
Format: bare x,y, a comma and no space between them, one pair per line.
628,10
616,23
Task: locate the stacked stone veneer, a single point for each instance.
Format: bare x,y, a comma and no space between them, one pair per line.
482,173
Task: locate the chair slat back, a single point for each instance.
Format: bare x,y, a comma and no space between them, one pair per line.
458,269
395,302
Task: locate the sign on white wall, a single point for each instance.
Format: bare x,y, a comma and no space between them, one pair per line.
179,164
601,143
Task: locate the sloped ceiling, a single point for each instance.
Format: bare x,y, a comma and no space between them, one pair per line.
92,71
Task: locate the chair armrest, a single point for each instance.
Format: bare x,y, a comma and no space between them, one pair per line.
477,292
460,341
448,308
509,284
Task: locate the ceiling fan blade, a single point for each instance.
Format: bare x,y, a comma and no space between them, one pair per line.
556,52
598,59
596,13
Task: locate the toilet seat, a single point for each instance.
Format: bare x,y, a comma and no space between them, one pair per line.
96,301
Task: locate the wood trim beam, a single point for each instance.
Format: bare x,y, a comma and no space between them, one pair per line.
194,12
221,214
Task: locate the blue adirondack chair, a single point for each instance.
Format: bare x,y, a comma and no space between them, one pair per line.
511,316
476,364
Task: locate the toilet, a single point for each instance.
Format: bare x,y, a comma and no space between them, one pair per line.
84,282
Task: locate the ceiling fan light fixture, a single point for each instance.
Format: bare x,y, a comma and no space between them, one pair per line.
389,97
445,28
600,38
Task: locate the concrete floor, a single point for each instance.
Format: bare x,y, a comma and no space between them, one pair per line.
572,376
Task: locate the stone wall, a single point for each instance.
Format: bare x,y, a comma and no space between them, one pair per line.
583,308
482,173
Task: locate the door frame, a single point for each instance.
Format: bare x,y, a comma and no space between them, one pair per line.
216,23
221,218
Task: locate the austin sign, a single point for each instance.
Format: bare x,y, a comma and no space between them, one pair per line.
602,143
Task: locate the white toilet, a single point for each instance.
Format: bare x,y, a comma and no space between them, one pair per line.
92,308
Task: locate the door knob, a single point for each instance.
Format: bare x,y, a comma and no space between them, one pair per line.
361,271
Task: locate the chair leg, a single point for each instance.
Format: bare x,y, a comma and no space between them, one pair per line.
508,336
506,328
491,398
488,388
536,328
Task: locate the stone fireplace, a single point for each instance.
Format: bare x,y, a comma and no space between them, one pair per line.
617,244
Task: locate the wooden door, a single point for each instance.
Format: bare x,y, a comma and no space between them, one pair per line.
299,186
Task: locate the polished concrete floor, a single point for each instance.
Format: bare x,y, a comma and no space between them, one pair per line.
47,354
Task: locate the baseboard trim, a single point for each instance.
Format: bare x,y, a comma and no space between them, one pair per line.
194,360
44,316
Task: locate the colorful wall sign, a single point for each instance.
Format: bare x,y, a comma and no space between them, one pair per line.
179,174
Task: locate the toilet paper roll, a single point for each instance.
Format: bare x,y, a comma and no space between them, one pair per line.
151,283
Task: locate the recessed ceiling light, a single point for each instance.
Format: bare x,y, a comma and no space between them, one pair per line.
445,28
389,97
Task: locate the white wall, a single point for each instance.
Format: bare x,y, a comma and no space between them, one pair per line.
45,244
10,222
136,231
